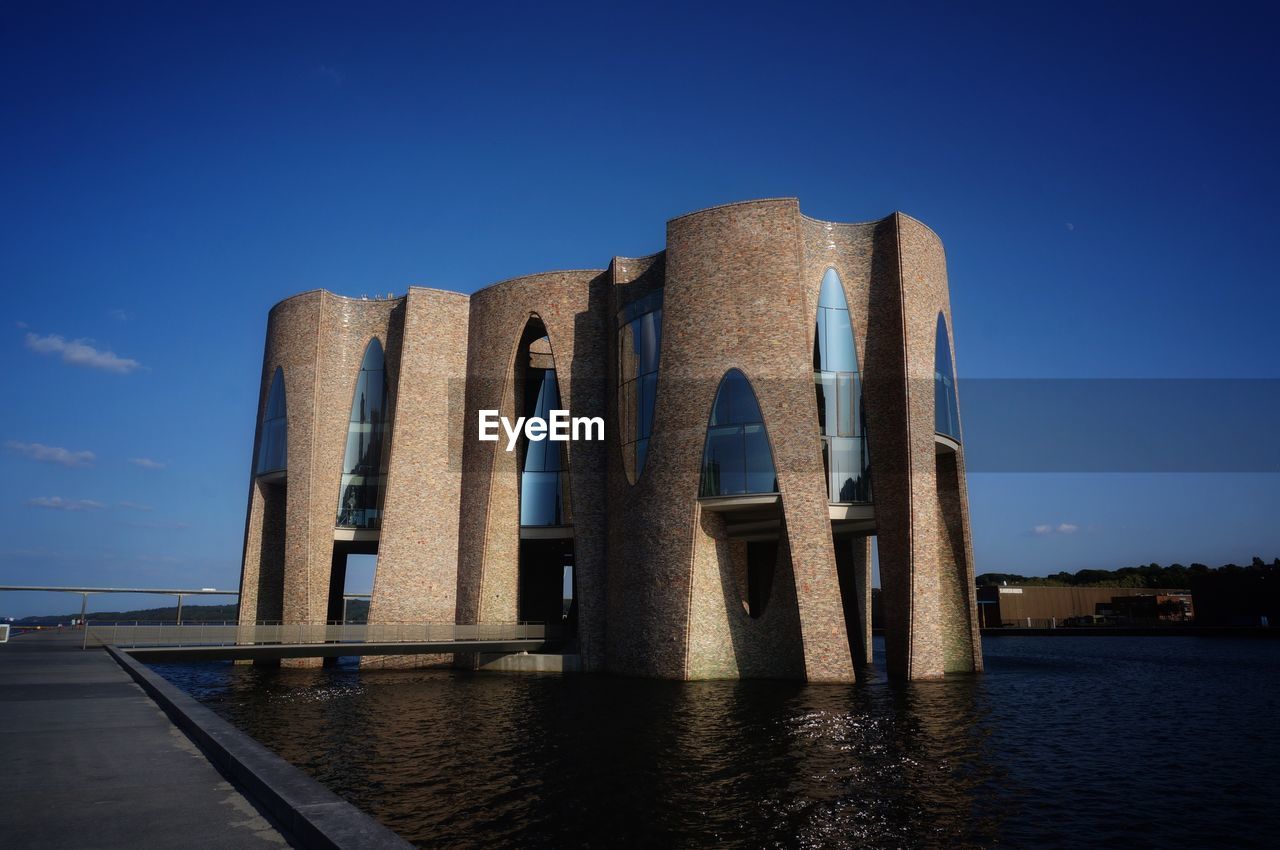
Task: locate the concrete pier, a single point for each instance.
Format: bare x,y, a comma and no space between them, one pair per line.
87,759
98,751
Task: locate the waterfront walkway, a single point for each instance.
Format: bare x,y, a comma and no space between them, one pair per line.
87,759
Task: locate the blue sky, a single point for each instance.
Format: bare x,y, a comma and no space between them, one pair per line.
1103,176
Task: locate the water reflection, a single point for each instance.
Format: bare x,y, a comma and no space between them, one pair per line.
1012,758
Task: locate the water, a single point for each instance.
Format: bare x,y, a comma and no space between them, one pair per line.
1135,742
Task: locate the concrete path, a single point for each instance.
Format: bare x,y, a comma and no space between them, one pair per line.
87,759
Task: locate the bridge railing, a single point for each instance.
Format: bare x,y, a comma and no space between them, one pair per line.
135,634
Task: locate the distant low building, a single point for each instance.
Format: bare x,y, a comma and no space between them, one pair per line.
1041,607
1151,605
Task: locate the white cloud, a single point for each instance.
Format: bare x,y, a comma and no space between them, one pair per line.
1046,529
79,352
133,506
119,315
60,504
146,463
52,454
1070,227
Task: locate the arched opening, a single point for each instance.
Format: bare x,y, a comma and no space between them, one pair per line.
845,458
273,445
364,464
363,485
952,552
946,407
639,346
546,584
739,481
270,497
544,463
838,384
736,457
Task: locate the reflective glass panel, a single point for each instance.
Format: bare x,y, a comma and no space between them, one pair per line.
839,355
542,482
736,457
723,467
639,349
543,455
735,402
644,413
946,407
364,464
838,385
847,469
758,460
844,404
273,447
540,498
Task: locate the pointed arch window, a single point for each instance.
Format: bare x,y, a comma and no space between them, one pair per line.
736,457
364,466
273,445
946,407
639,343
542,476
839,390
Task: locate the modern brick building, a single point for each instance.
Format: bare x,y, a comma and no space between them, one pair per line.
775,390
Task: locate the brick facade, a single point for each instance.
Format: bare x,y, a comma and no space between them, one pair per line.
660,575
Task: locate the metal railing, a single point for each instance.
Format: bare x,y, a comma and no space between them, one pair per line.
134,634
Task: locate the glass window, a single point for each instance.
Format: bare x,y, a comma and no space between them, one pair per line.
639,349
736,457
364,464
540,498
542,475
838,384
946,407
542,455
273,448
644,413
735,401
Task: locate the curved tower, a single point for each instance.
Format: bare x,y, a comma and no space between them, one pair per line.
775,391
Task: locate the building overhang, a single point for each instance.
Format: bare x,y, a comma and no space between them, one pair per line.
759,516
546,532
852,519
357,535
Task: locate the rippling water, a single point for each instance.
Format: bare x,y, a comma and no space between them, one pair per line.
1136,742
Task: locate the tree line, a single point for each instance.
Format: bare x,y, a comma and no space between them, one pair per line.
1149,575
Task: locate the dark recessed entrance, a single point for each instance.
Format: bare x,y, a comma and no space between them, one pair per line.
547,587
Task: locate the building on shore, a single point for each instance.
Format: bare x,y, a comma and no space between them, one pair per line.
774,391
1038,606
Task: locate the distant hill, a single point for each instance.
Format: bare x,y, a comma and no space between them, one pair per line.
357,612
1151,575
